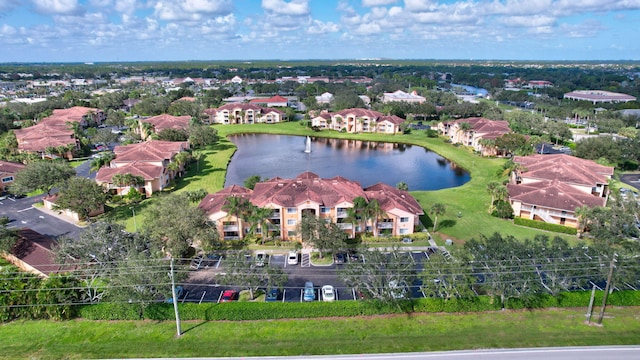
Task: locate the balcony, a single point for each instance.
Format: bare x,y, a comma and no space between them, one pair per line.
275,215
385,225
341,214
345,226
230,228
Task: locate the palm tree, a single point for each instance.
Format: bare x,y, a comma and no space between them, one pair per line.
402,186
491,189
375,212
236,205
437,209
356,213
259,217
197,156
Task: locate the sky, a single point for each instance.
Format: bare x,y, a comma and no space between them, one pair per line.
176,30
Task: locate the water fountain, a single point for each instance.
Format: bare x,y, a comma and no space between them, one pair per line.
307,148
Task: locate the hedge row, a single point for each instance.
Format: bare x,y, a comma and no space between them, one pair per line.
236,311
545,226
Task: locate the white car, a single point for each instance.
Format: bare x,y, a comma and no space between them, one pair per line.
261,257
292,258
328,293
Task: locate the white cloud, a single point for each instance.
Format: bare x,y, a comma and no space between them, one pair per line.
7,30
125,6
291,8
190,10
8,5
528,21
56,6
370,3
319,27
420,5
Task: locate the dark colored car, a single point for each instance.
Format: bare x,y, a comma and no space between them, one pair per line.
272,295
340,258
228,296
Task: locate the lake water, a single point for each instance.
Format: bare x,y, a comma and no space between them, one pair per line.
364,161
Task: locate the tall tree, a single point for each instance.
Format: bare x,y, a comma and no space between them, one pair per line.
41,176
321,235
238,207
436,210
240,271
177,224
82,196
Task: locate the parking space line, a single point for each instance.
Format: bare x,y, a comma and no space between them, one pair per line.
29,208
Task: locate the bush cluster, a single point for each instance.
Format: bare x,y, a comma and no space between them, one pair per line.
545,226
240,311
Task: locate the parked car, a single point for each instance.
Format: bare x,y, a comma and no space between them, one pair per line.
228,296
272,295
339,258
292,258
309,293
328,293
261,258
179,293
353,256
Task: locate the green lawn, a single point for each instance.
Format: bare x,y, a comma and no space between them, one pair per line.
470,200
399,333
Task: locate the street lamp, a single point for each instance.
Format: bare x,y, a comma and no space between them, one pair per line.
135,226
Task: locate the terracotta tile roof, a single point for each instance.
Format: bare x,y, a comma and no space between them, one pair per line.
7,167
74,114
43,135
310,187
565,168
213,203
306,187
34,249
154,150
274,99
392,119
148,171
239,106
554,195
391,198
166,121
357,112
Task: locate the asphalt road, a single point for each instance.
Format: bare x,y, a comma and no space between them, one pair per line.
22,214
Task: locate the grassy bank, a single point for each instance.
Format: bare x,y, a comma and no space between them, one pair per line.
402,333
470,200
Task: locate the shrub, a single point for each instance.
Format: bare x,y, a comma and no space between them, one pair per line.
545,226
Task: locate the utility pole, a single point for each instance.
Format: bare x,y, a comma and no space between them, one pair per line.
175,300
606,288
590,309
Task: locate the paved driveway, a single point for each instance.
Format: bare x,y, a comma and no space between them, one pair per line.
21,214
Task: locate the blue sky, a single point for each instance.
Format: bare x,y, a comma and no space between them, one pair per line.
158,30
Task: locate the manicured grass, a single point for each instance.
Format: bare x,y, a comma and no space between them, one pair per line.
398,333
470,200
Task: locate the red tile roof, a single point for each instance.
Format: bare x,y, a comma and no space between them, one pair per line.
391,198
43,135
565,168
154,150
73,114
554,195
310,187
274,99
148,171
34,249
166,121
357,112
7,167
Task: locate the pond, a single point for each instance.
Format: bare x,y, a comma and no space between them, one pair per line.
367,162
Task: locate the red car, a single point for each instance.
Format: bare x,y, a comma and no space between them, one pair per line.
228,296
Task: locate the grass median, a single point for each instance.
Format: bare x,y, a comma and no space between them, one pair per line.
378,334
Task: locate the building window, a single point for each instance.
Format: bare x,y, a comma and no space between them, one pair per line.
291,210
325,210
291,222
291,233
7,179
404,231
404,219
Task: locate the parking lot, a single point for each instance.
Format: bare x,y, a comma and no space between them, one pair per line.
203,286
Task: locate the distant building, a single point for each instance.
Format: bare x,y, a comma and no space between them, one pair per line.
163,122
243,113
358,120
479,129
274,101
599,96
325,98
401,96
